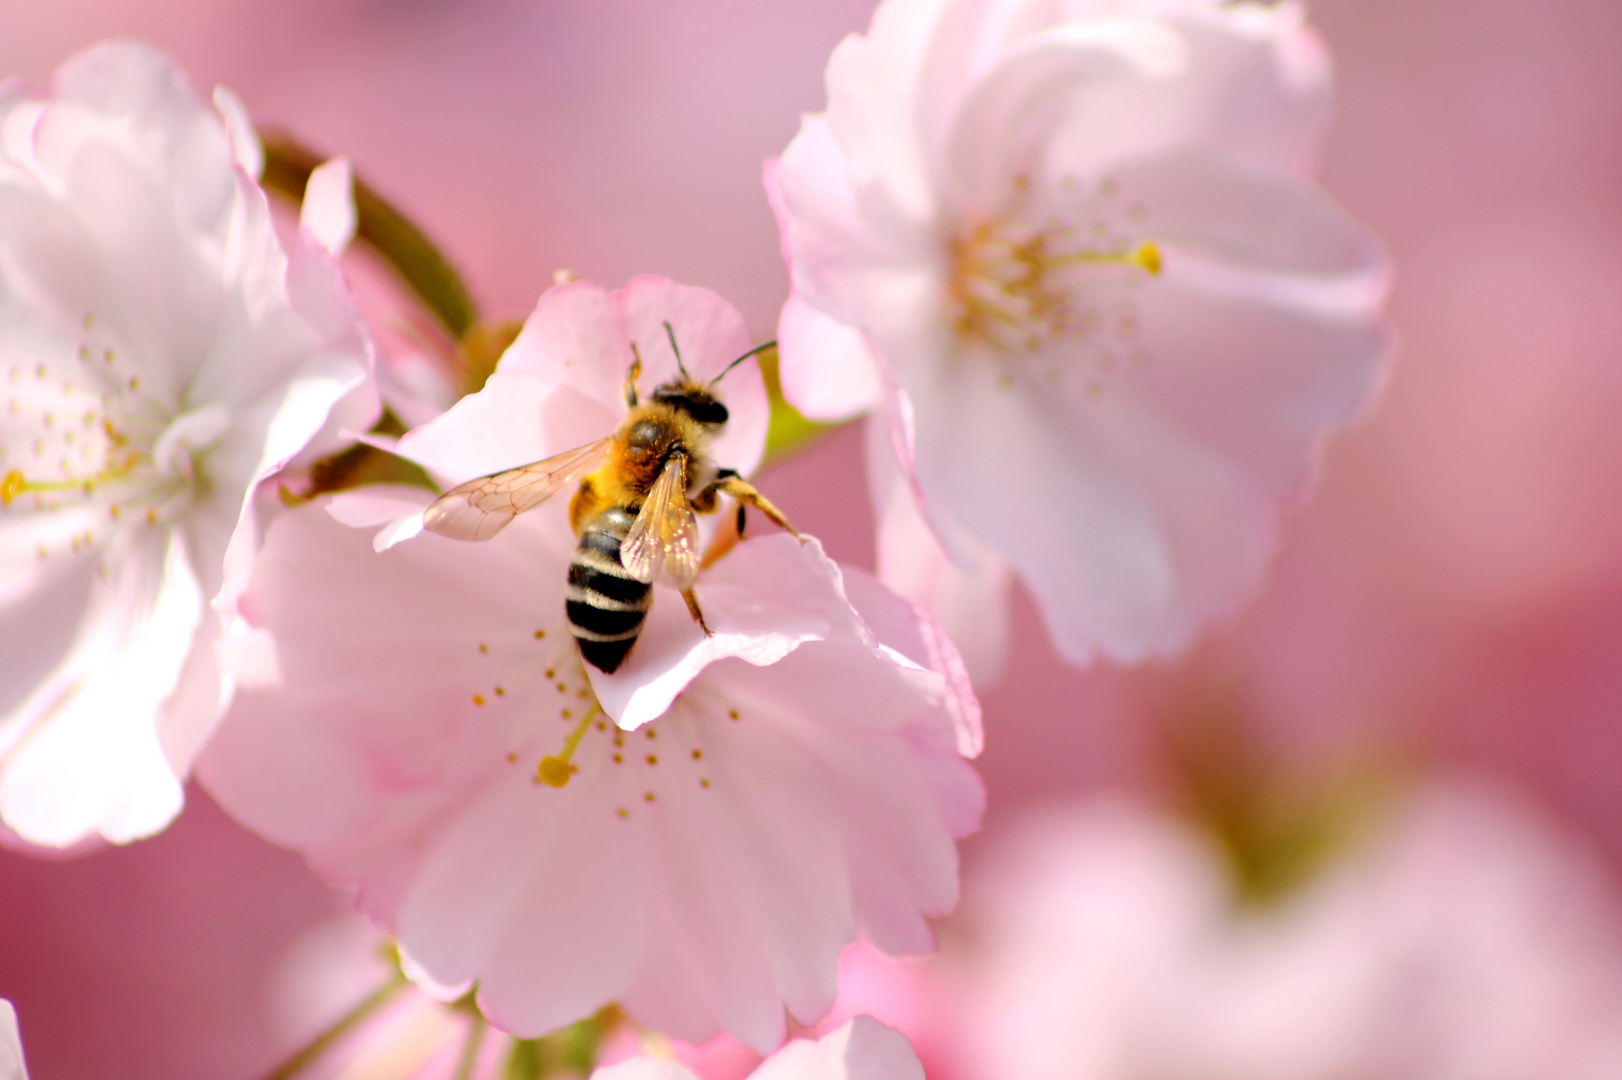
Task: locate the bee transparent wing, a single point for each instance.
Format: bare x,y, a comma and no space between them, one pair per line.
664,538
479,509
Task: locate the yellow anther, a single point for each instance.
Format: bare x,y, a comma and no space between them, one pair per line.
12,486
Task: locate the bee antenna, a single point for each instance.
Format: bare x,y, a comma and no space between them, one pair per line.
681,367
756,351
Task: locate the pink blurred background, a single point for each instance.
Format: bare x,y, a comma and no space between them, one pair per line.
1452,593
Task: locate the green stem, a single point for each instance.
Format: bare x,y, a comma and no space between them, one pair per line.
419,262
306,1055
470,1048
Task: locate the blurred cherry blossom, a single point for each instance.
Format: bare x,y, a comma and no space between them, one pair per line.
1069,253
863,1049
162,356
1465,939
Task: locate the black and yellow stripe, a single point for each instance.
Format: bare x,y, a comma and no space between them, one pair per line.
605,605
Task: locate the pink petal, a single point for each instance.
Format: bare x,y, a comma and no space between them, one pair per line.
829,370
851,260
971,606
328,211
1256,86
864,1049
763,601
1002,125
575,337
518,417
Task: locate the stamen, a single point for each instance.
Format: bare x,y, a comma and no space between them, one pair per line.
1146,256
554,771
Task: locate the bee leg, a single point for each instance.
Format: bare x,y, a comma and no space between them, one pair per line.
697,612
742,518
631,377
728,483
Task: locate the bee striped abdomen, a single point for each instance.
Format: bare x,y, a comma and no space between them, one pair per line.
605,605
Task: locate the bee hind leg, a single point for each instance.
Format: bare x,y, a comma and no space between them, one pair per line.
696,611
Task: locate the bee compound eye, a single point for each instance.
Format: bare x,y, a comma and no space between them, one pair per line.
643,436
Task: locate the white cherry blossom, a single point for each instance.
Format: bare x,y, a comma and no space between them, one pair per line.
12,1066
1066,252
159,356
696,836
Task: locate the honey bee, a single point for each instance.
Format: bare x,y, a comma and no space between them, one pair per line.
633,511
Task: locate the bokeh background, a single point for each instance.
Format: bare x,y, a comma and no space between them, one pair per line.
1449,601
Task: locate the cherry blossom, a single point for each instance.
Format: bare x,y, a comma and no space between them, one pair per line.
695,836
1066,253
863,1049
159,355
1465,938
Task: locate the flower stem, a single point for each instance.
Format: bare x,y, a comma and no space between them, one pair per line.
306,1055
470,1048
419,262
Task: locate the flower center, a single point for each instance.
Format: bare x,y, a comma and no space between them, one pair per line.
542,682
84,436
1011,284
1022,288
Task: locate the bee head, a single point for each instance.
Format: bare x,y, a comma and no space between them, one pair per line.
693,399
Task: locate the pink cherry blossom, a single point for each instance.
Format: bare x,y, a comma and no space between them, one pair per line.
161,355
1067,253
704,871
715,821
1465,940
863,1049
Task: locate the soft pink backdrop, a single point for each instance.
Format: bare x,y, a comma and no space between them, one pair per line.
1455,586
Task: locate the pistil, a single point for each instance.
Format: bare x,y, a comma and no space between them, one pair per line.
555,770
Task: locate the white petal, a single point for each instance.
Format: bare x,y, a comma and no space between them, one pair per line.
129,93
12,1066
328,212
92,761
246,149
